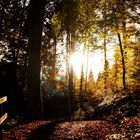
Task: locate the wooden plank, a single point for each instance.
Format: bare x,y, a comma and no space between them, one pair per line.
3,118
3,99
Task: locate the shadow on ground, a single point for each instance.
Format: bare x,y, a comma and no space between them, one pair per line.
43,132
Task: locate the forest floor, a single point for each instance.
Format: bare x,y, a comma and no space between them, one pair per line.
115,118
76,130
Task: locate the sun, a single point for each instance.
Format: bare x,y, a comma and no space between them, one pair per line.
95,63
76,61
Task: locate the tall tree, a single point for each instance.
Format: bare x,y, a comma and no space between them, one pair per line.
87,68
36,25
123,61
12,42
82,79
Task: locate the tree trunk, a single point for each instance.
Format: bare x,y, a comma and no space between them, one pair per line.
36,25
105,66
105,57
70,72
115,76
123,62
87,57
81,80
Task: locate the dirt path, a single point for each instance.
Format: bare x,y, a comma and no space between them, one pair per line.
75,130
44,130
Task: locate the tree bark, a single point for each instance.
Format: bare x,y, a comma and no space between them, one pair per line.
70,72
36,25
105,65
87,57
123,61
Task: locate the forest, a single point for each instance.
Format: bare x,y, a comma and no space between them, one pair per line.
70,69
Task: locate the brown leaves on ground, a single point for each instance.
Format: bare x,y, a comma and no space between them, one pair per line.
80,130
22,132
83,130
128,129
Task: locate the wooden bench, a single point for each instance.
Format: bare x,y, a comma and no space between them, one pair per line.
2,116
